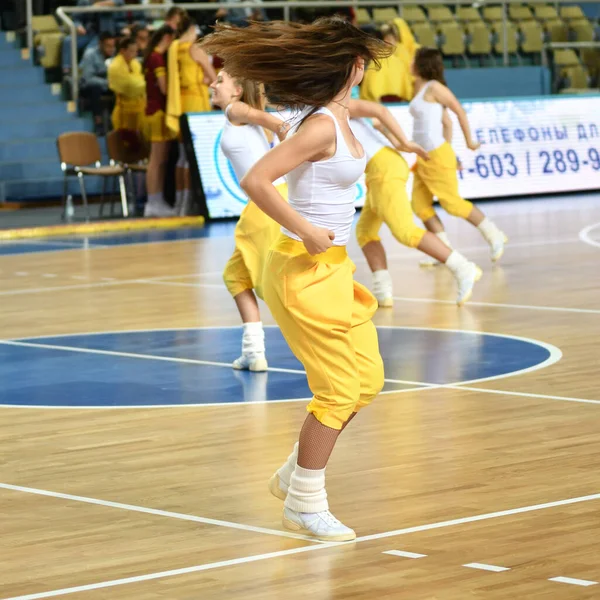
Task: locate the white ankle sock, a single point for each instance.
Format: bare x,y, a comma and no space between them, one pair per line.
253,339
444,237
456,261
178,199
307,493
156,199
382,277
286,470
488,229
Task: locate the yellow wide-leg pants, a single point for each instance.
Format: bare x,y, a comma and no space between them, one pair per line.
254,234
438,177
387,201
325,317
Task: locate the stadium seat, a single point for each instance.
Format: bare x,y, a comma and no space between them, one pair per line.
532,37
47,40
577,77
362,16
518,12
413,14
492,13
569,13
565,58
591,59
556,30
453,43
440,14
511,45
582,30
424,34
479,39
382,15
468,14
545,12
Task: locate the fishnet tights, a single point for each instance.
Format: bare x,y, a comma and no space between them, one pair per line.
317,442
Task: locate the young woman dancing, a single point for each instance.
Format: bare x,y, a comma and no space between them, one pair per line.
438,177
387,202
324,315
244,142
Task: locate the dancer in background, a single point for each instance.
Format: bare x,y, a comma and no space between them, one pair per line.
387,202
324,315
244,142
155,127
438,177
190,73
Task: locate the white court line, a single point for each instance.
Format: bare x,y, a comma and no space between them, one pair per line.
404,554
247,559
172,573
219,286
191,361
581,582
484,567
584,235
501,305
156,512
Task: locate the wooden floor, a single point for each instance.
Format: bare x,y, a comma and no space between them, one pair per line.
171,503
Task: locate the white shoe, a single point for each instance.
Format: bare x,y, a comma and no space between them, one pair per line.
497,246
251,362
158,209
384,294
322,525
277,487
466,278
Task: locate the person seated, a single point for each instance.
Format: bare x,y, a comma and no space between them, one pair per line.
88,26
127,81
94,80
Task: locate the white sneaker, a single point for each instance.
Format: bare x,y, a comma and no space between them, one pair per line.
497,246
158,209
466,278
322,525
251,362
384,295
277,487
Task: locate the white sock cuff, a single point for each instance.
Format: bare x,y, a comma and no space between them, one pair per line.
382,276
442,235
156,198
307,491
455,261
254,328
286,470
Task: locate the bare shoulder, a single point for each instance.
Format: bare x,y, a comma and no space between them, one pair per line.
319,128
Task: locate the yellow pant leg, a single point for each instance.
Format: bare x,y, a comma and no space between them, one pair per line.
317,306
422,199
366,346
440,177
369,222
254,234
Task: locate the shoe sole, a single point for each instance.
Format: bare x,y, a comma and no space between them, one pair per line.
256,367
293,526
428,264
478,275
275,489
386,303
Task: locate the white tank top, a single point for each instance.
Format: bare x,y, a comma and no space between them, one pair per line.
428,130
244,145
324,192
371,139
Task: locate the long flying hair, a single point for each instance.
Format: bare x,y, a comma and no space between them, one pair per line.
429,65
253,94
299,65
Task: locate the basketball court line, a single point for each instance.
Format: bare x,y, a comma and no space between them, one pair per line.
157,512
311,548
584,235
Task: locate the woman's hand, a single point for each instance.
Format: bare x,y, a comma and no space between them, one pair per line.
471,145
318,239
416,149
283,130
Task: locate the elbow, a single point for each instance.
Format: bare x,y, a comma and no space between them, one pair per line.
248,184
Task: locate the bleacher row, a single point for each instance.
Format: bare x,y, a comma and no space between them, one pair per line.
473,36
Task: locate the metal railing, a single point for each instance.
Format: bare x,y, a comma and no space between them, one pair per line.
64,13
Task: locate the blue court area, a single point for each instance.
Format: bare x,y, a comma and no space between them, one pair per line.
192,366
